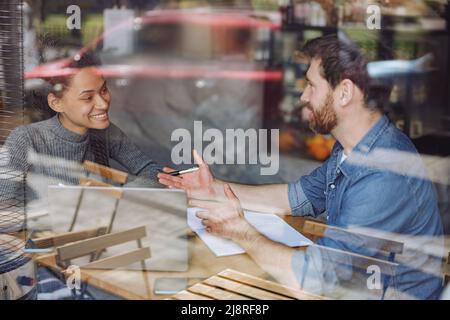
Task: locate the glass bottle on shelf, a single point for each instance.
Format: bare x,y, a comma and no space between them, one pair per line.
286,8
300,12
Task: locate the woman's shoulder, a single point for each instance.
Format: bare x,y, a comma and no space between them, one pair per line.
25,132
18,139
31,127
19,133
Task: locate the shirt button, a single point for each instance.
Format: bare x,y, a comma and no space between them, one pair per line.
338,171
332,186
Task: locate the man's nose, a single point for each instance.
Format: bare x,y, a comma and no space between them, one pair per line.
304,98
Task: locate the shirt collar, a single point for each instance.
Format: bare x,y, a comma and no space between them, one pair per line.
364,146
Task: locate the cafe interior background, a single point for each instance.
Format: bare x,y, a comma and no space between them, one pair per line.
258,42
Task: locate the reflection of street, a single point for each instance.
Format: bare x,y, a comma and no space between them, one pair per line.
149,110
163,77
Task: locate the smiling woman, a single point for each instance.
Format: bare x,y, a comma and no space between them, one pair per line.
84,104
51,151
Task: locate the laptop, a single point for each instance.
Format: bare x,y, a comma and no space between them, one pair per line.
162,211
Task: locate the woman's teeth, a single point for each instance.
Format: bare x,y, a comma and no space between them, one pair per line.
101,116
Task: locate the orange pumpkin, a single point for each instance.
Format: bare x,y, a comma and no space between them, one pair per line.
320,147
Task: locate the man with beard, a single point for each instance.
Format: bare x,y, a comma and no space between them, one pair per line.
365,183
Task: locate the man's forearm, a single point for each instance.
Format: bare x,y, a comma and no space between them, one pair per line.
271,198
272,257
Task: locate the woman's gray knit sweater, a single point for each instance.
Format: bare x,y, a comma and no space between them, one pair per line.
49,150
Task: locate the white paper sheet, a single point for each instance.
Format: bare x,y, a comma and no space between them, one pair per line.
271,225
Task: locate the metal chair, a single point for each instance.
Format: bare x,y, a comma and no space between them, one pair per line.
388,247
73,245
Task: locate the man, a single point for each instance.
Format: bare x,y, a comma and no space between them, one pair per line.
354,187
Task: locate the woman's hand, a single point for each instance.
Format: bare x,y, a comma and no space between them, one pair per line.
200,184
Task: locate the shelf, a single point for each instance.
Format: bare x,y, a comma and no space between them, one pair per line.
295,27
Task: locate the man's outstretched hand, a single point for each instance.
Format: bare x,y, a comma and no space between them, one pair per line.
199,184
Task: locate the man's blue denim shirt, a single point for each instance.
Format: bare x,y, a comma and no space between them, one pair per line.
390,194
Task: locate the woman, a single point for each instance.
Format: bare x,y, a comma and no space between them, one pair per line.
51,151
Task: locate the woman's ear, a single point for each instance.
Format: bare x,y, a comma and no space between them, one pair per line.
54,102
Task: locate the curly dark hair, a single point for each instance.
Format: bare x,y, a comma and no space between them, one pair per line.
57,85
79,61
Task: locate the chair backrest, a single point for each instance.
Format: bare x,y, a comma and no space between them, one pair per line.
111,190
94,245
68,237
114,175
340,257
389,246
387,267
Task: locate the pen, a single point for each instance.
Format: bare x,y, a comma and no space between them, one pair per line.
178,172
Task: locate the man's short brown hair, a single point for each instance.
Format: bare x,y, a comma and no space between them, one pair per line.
340,59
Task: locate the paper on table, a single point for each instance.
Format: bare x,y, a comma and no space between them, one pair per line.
270,225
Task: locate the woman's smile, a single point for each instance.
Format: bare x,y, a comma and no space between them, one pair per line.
103,116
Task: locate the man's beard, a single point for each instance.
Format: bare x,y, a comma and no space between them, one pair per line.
324,119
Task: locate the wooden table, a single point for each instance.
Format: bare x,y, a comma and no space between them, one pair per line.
134,284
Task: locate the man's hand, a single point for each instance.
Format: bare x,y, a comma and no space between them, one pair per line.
225,219
199,184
